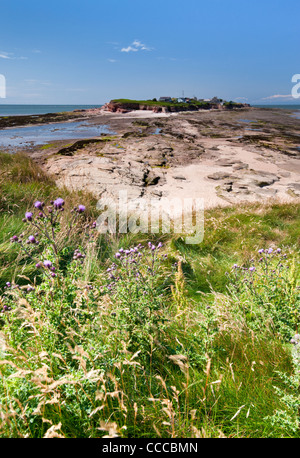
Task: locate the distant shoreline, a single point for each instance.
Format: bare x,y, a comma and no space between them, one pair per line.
36,110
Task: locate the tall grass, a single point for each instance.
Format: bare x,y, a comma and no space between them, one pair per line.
160,345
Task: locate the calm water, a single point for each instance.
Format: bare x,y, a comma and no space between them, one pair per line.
14,110
15,138
18,137
295,107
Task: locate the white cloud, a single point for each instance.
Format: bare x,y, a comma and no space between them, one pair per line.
5,55
112,60
141,46
129,49
10,55
278,96
135,46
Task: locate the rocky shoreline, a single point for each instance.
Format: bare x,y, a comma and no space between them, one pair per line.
30,120
224,157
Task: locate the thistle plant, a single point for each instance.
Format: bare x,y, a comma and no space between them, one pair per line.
43,246
45,224
136,285
268,290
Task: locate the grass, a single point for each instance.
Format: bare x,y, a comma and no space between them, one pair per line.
136,103
49,145
204,361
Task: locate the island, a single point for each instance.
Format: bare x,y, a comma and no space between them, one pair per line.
171,104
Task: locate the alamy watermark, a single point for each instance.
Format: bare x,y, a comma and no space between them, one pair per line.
296,88
181,216
2,87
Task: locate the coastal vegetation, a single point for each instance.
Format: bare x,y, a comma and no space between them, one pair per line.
190,105
156,103
141,335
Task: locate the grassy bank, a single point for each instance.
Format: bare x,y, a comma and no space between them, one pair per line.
137,337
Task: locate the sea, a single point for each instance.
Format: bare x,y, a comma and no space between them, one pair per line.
17,110
13,139
294,107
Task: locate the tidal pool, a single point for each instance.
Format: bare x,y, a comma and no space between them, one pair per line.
15,138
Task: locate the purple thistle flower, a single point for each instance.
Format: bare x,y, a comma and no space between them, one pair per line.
252,269
81,208
28,216
38,205
278,250
14,238
270,250
38,265
32,239
261,250
117,255
48,264
159,245
58,203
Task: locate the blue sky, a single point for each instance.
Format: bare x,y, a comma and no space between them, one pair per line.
88,52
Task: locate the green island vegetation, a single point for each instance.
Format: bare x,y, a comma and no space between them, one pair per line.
156,103
192,103
141,335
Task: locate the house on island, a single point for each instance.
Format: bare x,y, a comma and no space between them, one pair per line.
165,99
216,101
